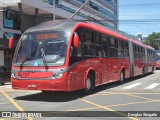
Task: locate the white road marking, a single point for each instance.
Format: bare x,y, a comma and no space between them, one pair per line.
8,86
5,86
132,86
152,86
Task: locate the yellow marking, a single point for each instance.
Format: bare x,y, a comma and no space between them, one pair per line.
10,102
106,108
116,105
14,103
141,97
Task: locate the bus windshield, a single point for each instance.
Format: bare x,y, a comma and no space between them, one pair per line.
157,55
41,49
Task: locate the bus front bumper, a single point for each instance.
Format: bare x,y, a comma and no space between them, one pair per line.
46,85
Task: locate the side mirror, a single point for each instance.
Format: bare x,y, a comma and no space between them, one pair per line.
75,40
10,42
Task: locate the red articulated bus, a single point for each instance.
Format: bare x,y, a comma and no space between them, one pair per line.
157,65
72,55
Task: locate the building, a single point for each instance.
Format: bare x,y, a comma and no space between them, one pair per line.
18,15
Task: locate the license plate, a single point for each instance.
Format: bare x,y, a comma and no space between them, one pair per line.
23,74
34,74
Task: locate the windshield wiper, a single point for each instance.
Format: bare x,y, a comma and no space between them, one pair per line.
29,54
43,58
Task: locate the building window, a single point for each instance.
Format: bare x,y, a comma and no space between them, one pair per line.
11,20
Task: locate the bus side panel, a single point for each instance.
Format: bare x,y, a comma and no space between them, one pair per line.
78,74
125,63
105,71
138,67
114,67
150,65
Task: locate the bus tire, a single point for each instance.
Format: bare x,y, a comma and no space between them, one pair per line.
90,84
122,77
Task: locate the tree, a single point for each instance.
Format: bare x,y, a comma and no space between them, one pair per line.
154,40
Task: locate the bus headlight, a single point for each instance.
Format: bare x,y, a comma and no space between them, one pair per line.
58,75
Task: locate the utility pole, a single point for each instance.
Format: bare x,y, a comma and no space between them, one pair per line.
78,10
54,17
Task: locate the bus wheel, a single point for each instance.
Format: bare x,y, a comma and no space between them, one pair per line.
121,77
89,84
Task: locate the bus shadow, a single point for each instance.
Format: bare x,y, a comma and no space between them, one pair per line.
69,96
51,96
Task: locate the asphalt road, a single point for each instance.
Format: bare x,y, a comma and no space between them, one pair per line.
137,97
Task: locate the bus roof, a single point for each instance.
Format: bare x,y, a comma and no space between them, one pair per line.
149,47
137,42
73,25
100,29
52,25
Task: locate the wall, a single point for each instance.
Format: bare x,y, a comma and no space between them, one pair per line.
1,57
1,24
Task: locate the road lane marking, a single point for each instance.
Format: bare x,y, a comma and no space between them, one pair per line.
142,97
106,108
14,103
152,86
131,86
115,105
8,86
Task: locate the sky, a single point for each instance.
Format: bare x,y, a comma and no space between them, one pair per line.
139,16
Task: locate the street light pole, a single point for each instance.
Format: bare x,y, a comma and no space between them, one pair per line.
78,10
54,10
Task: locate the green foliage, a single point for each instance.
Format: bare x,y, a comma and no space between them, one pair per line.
154,40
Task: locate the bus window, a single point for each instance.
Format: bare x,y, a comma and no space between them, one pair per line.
88,49
126,51
120,49
113,47
105,45
99,51
97,38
